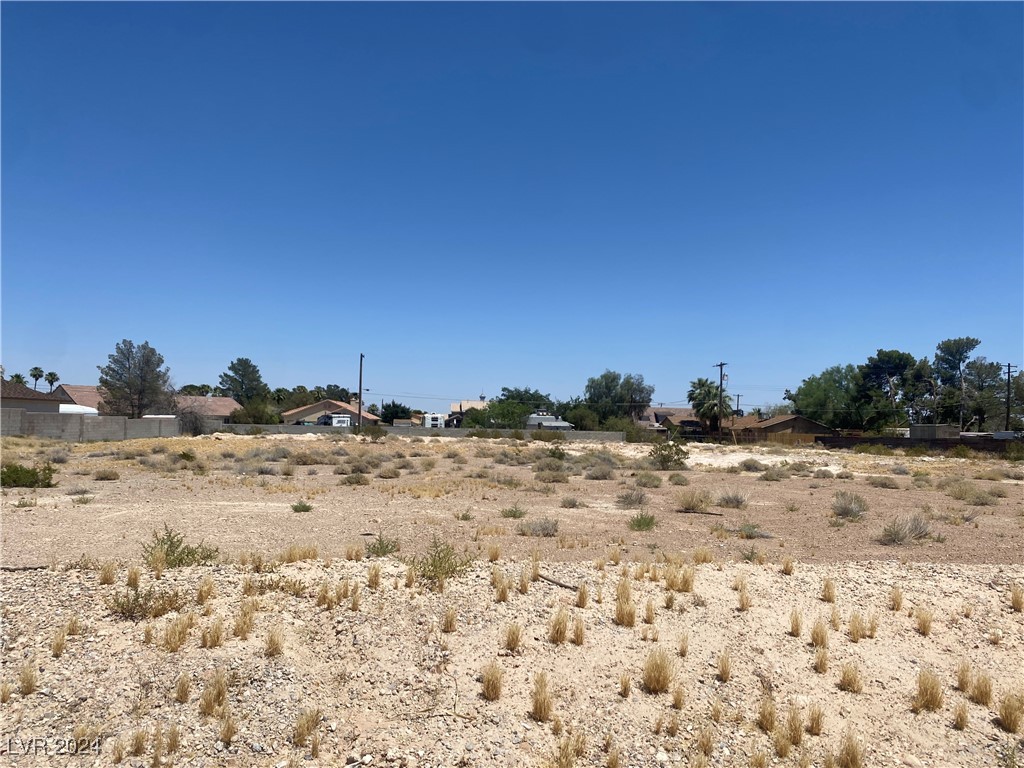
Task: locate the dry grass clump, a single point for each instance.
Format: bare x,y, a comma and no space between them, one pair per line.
28,678
205,590
275,642
1011,712
828,591
305,726
213,635
795,725
692,500
744,600
176,633
796,622
851,755
858,628
788,566
649,611
658,671
780,740
684,644
981,689
625,608
542,703
297,552
964,673
766,715
850,678
577,631
182,688
449,620
819,634
815,720
134,574
559,627
108,571
214,693
245,618
373,576
513,637
60,638
724,666
896,599
929,692
702,555
582,596
821,660
625,685
1017,597
678,697
686,576
924,621
960,716
706,741
491,679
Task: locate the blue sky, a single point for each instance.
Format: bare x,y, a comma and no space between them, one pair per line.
478,196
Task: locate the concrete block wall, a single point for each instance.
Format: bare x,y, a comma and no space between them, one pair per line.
11,421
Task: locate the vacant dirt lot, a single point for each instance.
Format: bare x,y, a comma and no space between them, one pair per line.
305,641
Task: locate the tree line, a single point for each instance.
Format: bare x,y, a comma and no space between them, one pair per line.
895,389
891,389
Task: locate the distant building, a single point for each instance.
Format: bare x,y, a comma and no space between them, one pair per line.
544,420
434,420
307,415
14,395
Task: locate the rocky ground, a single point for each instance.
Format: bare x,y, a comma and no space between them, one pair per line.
354,655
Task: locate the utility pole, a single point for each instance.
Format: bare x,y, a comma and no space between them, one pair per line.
736,408
721,381
1009,396
359,418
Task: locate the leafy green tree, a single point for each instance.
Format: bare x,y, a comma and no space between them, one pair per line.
703,395
830,397
196,390
373,409
498,414
334,392
534,399
18,378
35,374
951,357
51,378
634,395
243,381
582,418
985,391
888,388
255,412
394,410
612,395
135,381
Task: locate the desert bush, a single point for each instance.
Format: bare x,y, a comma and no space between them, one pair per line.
389,473
514,512
134,604
692,500
632,499
1011,712
382,546
301,506
491,678
551,477
647,480
19,476
823,474
356,478
542,702
752,465
732,500
106,475
570,502
440,563
658,671
600,472
642,521
848,506
668,455
901,530
544,527
170,547
880,481
929,692
774,474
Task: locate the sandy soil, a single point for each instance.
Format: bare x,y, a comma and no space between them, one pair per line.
392,688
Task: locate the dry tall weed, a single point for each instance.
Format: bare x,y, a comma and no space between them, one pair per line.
582,596
28,678
766,715
1017,597
850,678
513,637
828,591
559,627
214,693
851,755
724,666
960,716
305,726
896,599
108,572
275,642
60,639
182,688
924,621
176,633
658,671
577,631
625,608
491,679
684,643
857,628
819,634
821,660
1011,711
815,720
795,725
796,622
625,685
964,674
205,590
929,692
981,689
542,703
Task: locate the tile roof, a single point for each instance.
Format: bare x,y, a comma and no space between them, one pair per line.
13,390
326,406
88,395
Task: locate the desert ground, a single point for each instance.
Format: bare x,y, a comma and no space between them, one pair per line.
493,602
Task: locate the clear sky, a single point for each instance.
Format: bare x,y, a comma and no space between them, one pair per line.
488,195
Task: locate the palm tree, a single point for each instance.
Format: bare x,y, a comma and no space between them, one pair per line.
35,374
51,378
704,397
17,378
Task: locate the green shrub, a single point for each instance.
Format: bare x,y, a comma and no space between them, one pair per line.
187,455
669,455
631,499
752,465
544,527
356,478
901,530
176,553
774,474
749,530
106,474
551,477
19,476
571,502
382,546
678,478
301,506
878,481
515,512
135,604
849,506
440,563
642,521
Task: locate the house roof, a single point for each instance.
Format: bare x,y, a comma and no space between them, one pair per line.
464,405
88,395
777,420
216,407
325,406
15,391
658,415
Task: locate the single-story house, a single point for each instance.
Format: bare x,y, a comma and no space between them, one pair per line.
307,415
544,420
209,407
680,420
86,395
787,424
13,395
458,410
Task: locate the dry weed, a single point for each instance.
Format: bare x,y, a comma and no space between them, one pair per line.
658,671
819,634
625,685
960,716
275,642
815,720
924,621
182,688
541,699
1011,711
513,637
896,599
929,692
491,678
205,590
305,726
821,660
981,689
828,591
577,631
796,622
766,715
724,666
850,678
559,627
684,643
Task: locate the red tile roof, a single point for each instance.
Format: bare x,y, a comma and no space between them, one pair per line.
15,391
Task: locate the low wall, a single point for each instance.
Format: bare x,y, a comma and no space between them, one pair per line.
292,429
81,428
935,444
